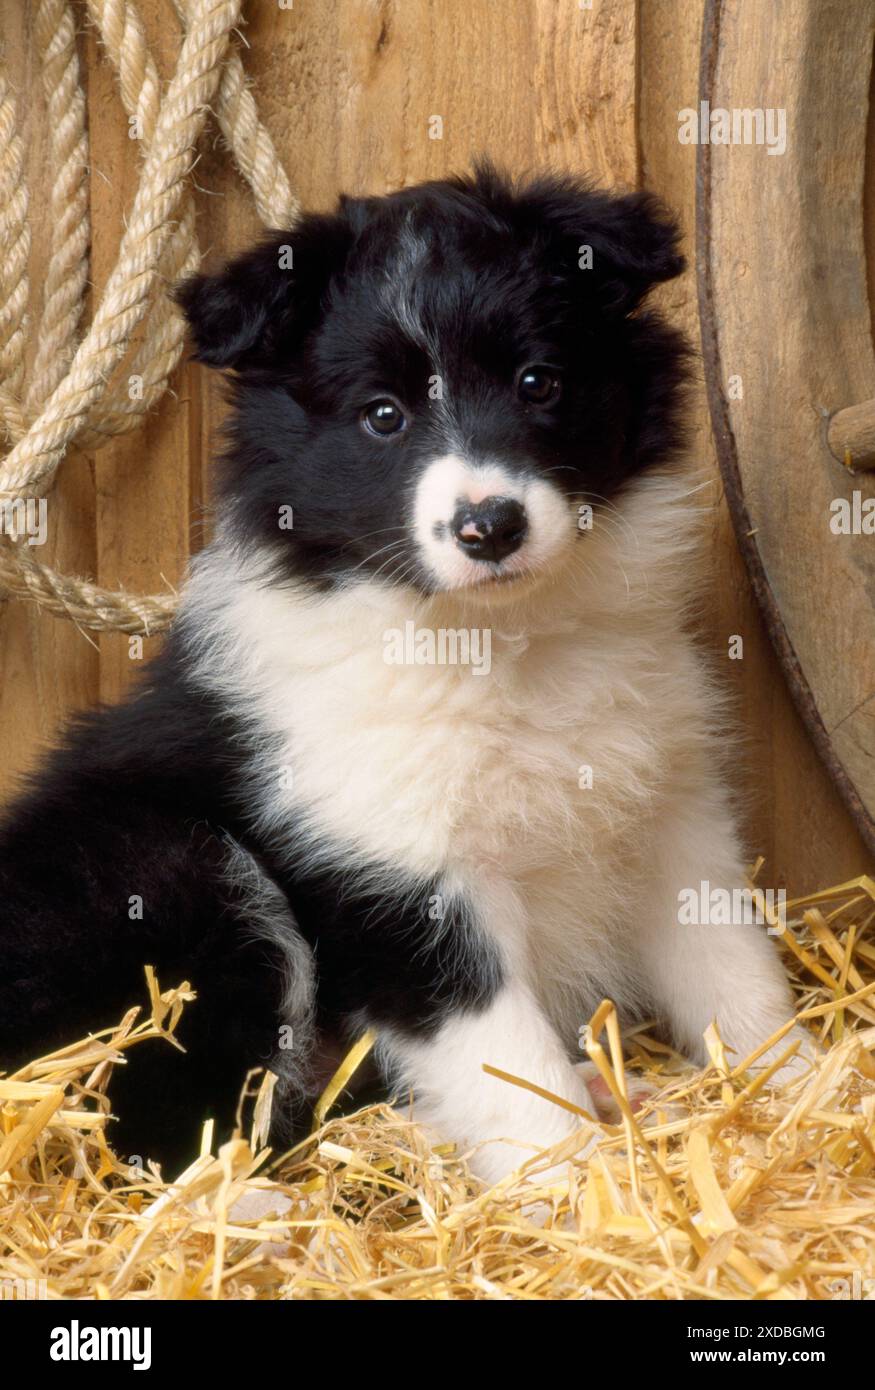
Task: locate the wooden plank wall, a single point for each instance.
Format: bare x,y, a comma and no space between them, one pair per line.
348,89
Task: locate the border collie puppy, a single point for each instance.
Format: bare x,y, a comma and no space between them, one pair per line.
428,749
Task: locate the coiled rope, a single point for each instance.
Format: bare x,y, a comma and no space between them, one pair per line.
76,394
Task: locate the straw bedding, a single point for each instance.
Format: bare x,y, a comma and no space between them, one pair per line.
727,1188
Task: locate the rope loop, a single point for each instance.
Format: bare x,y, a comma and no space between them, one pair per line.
75,393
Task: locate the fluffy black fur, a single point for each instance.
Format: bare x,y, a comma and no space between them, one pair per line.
144,799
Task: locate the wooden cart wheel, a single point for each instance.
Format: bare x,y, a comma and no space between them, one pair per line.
787,344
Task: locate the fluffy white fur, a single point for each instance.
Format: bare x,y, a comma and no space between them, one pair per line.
423,770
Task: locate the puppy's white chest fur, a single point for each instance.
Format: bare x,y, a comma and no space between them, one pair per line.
433,769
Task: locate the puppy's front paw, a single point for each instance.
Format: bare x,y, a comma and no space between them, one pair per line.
494,1160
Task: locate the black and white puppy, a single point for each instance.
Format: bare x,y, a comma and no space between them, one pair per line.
428,749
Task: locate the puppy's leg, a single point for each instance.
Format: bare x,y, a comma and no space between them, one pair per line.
503,1124
700,973
93,891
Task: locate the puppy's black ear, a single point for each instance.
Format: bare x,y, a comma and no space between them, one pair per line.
637,239
625,243
262,303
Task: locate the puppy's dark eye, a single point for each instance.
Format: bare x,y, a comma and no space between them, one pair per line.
538,385
383,418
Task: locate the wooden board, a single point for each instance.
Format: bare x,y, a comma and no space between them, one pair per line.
787,341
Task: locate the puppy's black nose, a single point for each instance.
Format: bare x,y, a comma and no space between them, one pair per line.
490,529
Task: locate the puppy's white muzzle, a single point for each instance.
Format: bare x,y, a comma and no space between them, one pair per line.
482,525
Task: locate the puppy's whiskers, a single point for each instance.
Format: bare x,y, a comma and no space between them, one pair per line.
369,559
